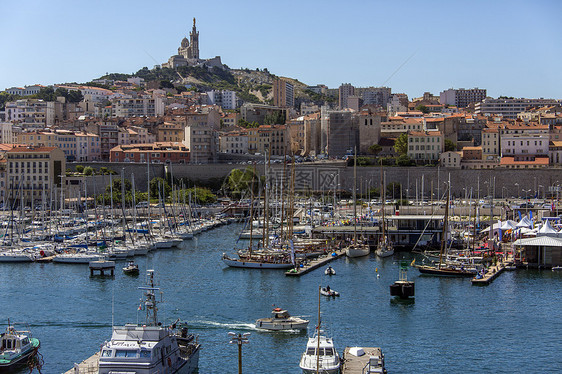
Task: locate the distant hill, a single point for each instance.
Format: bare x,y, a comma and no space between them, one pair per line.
255,86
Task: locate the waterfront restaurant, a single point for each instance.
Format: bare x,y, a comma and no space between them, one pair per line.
542,251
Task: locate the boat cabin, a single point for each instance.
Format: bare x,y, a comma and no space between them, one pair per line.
279,313
13,344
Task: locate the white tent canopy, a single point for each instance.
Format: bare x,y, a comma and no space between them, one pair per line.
508,225
525,222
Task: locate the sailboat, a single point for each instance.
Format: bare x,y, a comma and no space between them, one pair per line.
385,248
266,258
356,249
443,269
320,355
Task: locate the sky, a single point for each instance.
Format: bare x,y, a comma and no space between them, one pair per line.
511,48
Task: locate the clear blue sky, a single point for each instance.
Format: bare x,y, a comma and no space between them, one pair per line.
511,48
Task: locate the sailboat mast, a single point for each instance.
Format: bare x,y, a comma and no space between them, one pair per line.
318,335
445,227
355,196
383,201
252,209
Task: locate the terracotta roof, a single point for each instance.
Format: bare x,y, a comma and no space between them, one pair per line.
424,133
510,160
26,149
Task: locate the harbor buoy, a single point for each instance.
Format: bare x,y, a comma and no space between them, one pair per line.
378,276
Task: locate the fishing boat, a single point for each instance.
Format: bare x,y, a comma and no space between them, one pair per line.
327,291
444,269
150,348
16,347
356,248
131,269
281,320
330,271
385,248
320,355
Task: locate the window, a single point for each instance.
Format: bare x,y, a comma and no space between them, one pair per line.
106,353
126,353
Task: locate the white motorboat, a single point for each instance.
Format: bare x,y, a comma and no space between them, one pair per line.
357,250
77,258
281,320
320,356
330,271
327,291
151,347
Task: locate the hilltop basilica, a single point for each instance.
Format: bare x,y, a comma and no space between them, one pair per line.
188,53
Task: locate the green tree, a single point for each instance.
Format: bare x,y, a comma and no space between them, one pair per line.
80,169
393,190
422,108
88,170
274,118
375,149
401,144
450,146
240,181
159,187
199,195
403,160
247,125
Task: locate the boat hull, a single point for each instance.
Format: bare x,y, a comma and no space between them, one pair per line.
402,289
444,272
255,265
280,326
357,251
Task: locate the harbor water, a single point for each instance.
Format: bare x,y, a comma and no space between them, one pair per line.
512,325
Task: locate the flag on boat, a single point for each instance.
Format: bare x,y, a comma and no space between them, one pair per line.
413,262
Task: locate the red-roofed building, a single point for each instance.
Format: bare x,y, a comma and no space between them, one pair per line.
510,162
159,152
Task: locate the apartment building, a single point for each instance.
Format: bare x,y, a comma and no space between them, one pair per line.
25,91
31,113
345,90
509,108
283,93
145,105
170,132
461,97
224,98
76,146
425,146
524,142
32,173
490,144
339,132
235,142
158,152
6,133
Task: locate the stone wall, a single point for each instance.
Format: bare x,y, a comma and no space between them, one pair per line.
326,175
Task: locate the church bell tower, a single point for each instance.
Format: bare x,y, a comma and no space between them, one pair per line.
194,41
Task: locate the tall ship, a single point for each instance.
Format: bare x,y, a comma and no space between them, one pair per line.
150,348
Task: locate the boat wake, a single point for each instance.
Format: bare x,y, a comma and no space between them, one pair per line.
203,324
79,325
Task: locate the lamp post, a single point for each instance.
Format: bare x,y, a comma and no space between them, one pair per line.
239,339
539,191
517,189
503,188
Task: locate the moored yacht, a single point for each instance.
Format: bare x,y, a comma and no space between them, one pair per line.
320,356
16,347
150,348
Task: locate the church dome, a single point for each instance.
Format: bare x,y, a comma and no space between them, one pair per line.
185,43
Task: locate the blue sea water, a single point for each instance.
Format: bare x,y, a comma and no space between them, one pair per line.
512,325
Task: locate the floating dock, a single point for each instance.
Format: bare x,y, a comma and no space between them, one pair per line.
372,361
491,273
88,366
316,263
102,266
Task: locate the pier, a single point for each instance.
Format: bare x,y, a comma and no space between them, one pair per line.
88,366
371,361
316,263
102,266
492,273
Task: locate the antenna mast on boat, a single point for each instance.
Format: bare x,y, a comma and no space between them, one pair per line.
150,302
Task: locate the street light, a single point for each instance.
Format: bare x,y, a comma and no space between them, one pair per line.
517,189
239,339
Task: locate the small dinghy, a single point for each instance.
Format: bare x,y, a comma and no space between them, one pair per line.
330,271
131,269
327,291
